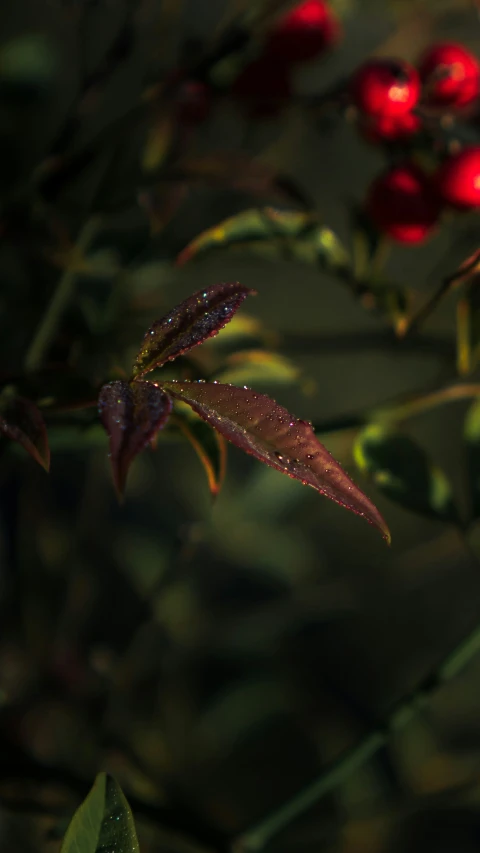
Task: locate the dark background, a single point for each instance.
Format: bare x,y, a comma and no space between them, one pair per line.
217,659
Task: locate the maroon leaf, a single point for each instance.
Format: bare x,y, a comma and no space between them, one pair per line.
261,427
22,421
193,321
132,415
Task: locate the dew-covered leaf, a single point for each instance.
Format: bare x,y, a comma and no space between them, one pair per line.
103,822
193,321
208,444
402,471
274,234
261,427
131,414
243,329
472,441
22,421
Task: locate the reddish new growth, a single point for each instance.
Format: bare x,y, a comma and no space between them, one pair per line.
133,412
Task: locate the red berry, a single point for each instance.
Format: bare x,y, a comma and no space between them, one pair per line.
458,179
385,87
263,87
380,129
450,75
403,204
194,103
303,33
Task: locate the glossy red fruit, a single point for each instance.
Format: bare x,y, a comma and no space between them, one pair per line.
263,88
450,75
385,87
303,33
458,179
194,102
403,204
384,129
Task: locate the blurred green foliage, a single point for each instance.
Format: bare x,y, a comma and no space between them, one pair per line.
255,670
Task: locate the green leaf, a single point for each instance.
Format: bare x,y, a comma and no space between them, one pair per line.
275,234
207,443
366,240
258,367
402,471
388,299
27,67
468,331
159,143
241,330
103,822
472,439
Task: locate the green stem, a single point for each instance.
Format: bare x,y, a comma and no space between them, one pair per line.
58,303
425,402
401,411
460,275
354,758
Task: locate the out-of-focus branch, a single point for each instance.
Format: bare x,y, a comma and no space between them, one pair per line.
348,763
403,409
316,343
48,327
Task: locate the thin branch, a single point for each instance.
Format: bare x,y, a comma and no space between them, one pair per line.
409,407
60,299
353,759
62,165
466,269
118,51
313,343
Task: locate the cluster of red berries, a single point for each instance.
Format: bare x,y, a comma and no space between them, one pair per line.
405,202
263,87
302,34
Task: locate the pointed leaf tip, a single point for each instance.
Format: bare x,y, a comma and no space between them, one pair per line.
131,414
263,428
193,321
22,421
103,821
